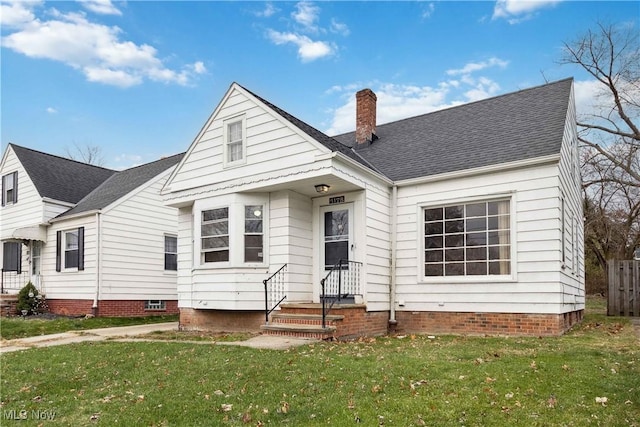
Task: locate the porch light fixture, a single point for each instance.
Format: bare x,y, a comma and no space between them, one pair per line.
322,188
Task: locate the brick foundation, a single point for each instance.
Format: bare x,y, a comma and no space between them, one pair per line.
357,321
8,305
108,308
486,323
221,320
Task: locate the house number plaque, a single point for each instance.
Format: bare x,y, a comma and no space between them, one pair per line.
337,199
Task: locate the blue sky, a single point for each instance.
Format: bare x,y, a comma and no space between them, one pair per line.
140,78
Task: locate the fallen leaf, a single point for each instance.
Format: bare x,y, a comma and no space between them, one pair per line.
602,400
226,407
551,402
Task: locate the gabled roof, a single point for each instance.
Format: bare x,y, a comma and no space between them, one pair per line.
516,126
329,142
59,178
122,183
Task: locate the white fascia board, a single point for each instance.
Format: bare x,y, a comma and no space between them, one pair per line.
78,215
58,202
538,161
345,159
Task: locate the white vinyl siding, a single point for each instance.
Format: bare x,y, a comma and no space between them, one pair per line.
572,276
267,142
133,247
29,211
533,284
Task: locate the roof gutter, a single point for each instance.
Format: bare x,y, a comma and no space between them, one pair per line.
501,167
58,202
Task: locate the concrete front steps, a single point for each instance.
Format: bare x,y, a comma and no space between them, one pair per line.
304,320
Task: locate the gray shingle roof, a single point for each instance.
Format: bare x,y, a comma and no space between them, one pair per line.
59,178
121,183
515,126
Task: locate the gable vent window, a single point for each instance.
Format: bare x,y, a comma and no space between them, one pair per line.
468,239
10,188
70,249
234,141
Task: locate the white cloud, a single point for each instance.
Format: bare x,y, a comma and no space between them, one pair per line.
17,13
308,50
51,110
516,11
95,49
269,10
306,14
428,10
339,27
472,67
103,7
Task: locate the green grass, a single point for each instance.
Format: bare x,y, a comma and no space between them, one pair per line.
19,327
414,380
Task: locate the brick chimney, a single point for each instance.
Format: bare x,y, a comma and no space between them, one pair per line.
365,117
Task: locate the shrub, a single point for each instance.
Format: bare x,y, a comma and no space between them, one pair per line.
31,301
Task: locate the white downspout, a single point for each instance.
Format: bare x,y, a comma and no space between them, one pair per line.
98,263
392,288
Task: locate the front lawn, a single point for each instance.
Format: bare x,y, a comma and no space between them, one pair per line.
22,327
590,376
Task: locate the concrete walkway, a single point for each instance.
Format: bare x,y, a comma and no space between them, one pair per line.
129,333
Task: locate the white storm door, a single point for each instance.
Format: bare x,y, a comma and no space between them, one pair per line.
337,234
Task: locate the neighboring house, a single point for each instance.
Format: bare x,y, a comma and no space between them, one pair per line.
465,220
94,240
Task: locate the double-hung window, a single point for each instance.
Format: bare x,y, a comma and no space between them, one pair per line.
214,233
253,240
170,253
234,141
472,239
233,232
10,188
70,249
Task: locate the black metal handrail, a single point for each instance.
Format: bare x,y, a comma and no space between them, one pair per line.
276,279
341,288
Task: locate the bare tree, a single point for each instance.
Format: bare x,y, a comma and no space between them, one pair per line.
91,154
609,136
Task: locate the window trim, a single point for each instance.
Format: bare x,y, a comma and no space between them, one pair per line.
498,278
225,140
5,255
228,235
170,253
236,204
14,189
155,305
61,236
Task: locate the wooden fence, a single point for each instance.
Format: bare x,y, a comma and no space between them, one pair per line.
624,288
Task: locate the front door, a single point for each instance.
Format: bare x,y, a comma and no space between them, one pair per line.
337,234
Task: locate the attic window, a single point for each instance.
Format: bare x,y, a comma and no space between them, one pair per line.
235,141
10,188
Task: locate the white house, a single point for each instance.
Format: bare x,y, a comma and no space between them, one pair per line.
92,239
465,220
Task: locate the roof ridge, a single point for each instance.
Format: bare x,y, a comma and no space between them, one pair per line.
151,162
60,157
278,109
472,103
